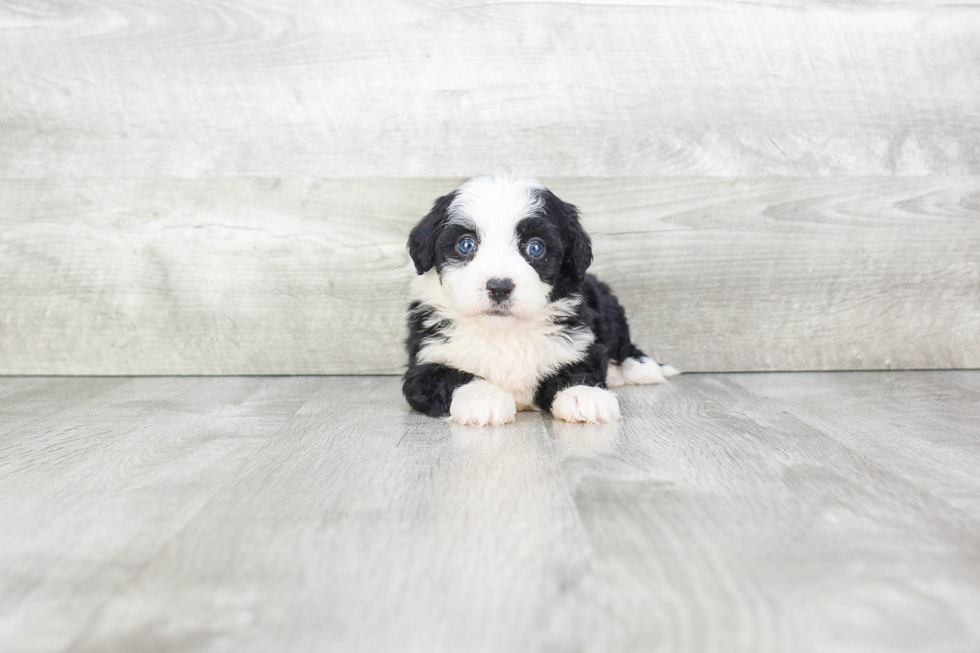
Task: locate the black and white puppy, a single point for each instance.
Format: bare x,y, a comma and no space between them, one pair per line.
503,316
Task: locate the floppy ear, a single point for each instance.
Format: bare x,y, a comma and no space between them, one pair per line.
422,240
578,245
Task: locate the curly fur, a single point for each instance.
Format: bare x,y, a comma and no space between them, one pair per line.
558,333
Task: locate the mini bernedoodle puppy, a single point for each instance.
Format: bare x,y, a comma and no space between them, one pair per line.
503,316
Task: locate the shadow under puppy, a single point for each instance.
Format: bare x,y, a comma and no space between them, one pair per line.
503,316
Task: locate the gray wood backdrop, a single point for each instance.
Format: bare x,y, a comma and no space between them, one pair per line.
225,187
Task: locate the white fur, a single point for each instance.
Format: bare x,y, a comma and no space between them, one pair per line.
642,371
480,403
496,201
582,403
614,376
517,350
492,205
514,358
638,372
511,353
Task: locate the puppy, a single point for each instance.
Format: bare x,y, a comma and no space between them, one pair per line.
503,316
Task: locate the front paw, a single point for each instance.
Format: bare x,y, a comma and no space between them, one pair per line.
583,403
481,403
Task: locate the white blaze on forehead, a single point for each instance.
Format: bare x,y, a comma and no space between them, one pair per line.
493,204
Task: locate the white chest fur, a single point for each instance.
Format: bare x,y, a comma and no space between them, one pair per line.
516,359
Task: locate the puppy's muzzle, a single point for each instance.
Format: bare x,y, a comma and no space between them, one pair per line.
500,289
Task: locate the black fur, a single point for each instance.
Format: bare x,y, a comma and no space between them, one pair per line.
429,387
601,312
591,371
608,320
578,245
423,240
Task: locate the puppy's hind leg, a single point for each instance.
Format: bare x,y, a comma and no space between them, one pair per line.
635,367
614,376
641,370
628,365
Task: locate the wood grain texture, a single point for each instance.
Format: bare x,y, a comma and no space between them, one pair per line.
721,521
939,424
445,88
285,276
725,513
225,188
104,476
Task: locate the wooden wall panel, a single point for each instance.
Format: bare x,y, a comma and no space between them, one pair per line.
216,187
262,276
450,88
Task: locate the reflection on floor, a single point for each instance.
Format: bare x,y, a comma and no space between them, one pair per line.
735,512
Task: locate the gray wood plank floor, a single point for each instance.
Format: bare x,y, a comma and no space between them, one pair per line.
739,512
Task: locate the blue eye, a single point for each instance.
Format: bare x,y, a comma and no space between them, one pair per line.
535,249
466,245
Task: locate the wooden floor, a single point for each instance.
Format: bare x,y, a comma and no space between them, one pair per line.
742,512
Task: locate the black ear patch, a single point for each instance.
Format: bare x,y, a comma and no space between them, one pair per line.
422,240
578,245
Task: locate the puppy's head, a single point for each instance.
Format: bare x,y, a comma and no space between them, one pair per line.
501,244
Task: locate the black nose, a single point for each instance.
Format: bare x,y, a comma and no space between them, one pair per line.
499,289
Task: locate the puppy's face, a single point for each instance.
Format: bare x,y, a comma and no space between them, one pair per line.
501,246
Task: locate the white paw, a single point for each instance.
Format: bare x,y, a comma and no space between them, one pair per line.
582,403
614,376
481,403
643,371
669,371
